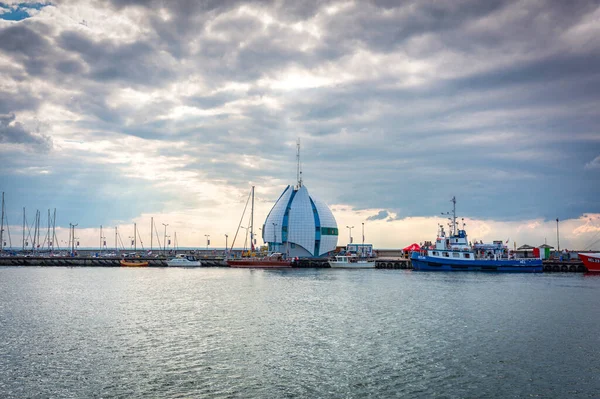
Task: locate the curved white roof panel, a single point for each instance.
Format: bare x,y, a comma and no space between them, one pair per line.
301,220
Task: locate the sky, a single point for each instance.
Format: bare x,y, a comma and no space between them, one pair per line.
113,112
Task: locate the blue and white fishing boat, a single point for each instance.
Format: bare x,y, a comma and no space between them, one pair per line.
455,253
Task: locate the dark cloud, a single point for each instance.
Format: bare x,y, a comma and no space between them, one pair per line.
133,63
491,106
20,39
380,216
15,133
21,100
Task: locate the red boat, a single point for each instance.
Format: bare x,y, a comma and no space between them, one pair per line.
591,261
273,261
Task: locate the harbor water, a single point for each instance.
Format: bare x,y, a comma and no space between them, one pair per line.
305,333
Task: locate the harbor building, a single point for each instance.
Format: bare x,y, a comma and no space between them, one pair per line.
300,225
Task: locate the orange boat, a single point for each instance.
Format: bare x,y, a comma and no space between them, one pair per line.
591,261
125,263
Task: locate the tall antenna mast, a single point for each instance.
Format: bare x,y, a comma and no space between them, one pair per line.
298,169
453,215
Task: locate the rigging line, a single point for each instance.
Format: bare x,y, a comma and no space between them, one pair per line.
121,241
241,219
8,230
589,247
140,236
590,241
28,229
157,237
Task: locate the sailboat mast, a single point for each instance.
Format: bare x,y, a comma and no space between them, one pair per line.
116,234
35,226
48,231
23,229
151,224
39,221
134,237
252,222
54,239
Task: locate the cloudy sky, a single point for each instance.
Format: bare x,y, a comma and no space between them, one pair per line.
115,112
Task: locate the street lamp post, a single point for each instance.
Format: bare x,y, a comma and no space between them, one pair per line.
362,250
274,235
165,239
207,240
350,229
557,237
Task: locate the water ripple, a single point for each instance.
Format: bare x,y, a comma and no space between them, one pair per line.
220,333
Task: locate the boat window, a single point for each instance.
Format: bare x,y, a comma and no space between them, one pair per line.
446,254
467,255
435,253
455,255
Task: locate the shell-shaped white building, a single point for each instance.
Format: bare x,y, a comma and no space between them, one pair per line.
300,225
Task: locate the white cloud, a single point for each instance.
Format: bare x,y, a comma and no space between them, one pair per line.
593,164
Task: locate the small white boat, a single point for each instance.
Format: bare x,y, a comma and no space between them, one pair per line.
183,260
352,262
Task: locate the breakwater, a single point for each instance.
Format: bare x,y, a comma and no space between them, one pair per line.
94,261
569,266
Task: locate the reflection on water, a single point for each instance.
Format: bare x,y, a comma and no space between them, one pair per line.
94,332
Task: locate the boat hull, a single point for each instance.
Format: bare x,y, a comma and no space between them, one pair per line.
259,264
184,264
351,265
430,263
591,261
133,264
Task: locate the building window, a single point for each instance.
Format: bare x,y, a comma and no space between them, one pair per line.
329,231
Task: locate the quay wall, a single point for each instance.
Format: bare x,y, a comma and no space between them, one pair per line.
218,261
